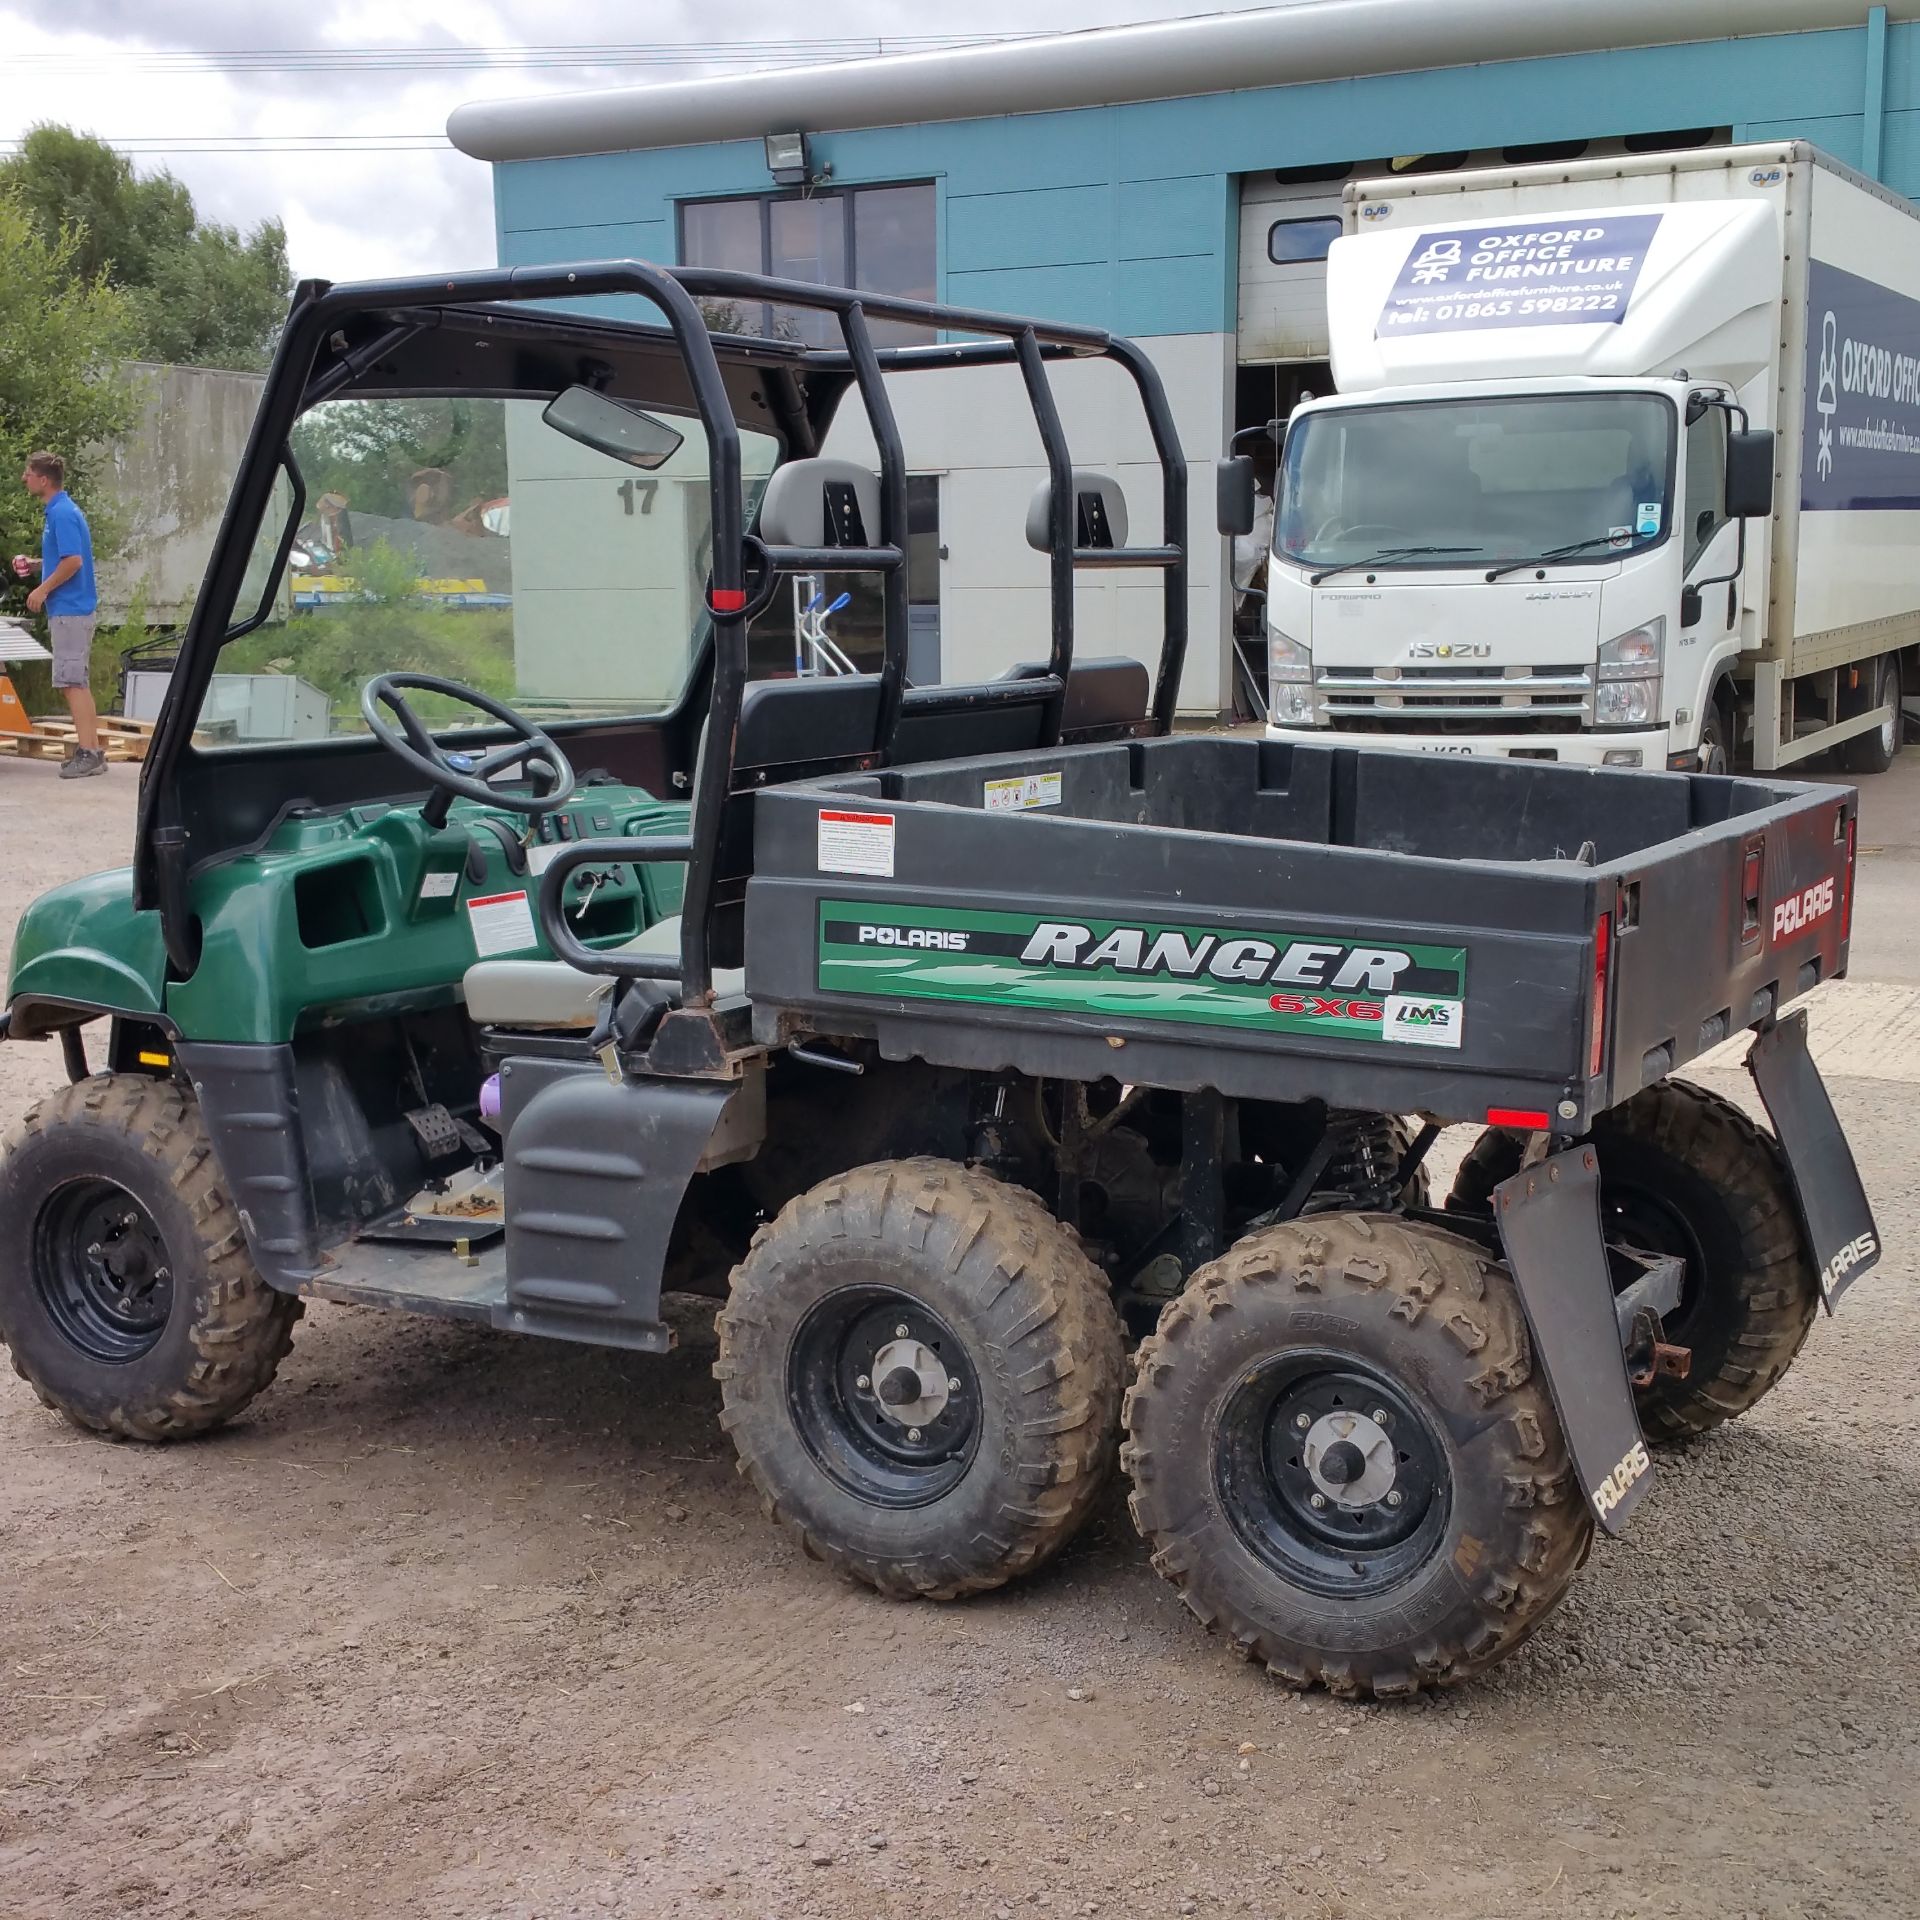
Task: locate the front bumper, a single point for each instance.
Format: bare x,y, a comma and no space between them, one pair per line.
1578,749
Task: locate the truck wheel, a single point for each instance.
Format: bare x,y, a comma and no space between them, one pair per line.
1873,752
1683,1171
1716,738
127,1294
1342,1457
921,1372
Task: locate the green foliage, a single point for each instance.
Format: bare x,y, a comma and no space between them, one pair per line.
202,293
62,338
340,647
369,450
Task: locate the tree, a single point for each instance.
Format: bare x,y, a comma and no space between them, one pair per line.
368,451
63,335
203,293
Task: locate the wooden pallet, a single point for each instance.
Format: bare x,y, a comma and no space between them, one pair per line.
130,737
40,745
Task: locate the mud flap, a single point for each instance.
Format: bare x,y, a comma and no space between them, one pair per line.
595,1173
1549,1217
1834,1212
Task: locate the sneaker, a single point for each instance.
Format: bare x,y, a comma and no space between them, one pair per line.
85,760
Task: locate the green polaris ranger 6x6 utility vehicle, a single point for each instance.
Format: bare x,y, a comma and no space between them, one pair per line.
499,944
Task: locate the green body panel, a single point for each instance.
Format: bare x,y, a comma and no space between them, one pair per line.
1155,970
336,917
84,944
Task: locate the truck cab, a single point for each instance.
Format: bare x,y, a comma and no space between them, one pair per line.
1612,471
1515,568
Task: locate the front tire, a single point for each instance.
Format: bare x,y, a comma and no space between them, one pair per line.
127,1295
1343,1458
921,1373
1684,1171
1874,752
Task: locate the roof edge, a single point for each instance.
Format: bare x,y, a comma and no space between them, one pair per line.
1107,66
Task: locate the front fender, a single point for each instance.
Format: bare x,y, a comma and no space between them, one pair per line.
85,945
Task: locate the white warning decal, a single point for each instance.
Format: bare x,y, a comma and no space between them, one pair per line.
501,922
856,843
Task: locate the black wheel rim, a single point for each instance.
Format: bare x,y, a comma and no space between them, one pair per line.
1340,1532
1647,1222
102,1270
847,1380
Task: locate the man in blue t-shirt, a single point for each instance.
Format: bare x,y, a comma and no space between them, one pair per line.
66,595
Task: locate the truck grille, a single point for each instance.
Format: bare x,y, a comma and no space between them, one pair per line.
1515,697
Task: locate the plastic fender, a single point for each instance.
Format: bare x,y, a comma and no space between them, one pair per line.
85,945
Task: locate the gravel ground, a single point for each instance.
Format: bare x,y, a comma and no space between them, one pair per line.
454,1624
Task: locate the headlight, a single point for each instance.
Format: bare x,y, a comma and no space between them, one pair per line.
1287,659
1628,694
1289,681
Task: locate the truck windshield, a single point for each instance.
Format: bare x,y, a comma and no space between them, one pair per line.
1450,482
468,538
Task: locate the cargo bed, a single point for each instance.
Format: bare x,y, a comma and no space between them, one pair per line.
1277,921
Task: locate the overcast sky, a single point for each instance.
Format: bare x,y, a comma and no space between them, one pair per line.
126,70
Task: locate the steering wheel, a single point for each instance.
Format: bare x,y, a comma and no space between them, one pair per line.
451,771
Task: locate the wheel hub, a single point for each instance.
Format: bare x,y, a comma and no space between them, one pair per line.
1349,1458
910,1381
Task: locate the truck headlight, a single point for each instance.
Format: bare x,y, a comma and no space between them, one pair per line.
1289,680
1631,664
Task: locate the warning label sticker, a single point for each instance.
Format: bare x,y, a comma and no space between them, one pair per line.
1023,792
856,843
501,922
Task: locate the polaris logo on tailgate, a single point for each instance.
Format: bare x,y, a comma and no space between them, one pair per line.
1803,910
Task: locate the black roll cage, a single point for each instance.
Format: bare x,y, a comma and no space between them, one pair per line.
321,316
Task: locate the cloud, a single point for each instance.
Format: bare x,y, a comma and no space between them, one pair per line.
362,214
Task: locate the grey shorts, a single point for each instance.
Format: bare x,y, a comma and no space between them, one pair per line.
72,647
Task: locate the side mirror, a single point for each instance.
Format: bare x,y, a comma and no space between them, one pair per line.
1750,474
1689,607
1235,503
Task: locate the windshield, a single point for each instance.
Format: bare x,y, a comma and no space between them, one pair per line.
470,539
1464,481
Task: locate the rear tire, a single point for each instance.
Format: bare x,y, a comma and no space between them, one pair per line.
1011,1351
1684,1171
1406,1345
127,1294
1874,752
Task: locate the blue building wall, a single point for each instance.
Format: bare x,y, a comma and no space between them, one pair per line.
1125,216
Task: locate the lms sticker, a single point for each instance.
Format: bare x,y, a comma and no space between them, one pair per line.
501,922
856,843
1417,1020
1023,793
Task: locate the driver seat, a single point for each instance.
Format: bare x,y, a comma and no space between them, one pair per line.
549,994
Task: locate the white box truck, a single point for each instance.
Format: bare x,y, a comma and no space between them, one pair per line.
1623,467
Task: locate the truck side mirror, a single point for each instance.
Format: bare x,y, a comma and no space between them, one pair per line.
1235,501
1750,474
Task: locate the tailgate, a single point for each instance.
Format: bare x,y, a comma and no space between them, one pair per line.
1715,931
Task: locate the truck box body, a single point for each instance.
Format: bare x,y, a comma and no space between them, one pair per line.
1767,277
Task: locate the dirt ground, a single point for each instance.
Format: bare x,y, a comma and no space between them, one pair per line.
456,1624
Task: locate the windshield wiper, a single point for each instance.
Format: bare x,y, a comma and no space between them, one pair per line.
1553,553
1381,558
